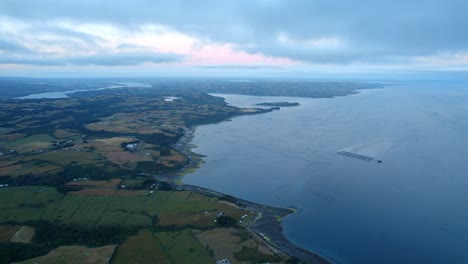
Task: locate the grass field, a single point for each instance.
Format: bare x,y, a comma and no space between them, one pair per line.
162,247
46,162
142,248
152,212
124,123
102,188
63,157
24,235
227,243
23,167
31,143
33,203
62,134
74,255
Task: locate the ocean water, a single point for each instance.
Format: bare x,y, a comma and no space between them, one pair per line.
411,208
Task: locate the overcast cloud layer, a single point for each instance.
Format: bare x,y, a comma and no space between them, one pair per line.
391,33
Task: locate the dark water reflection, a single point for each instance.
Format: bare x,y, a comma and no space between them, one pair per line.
412,208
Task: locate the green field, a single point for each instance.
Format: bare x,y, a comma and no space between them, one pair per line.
31,143
183,247
162,247
74,255
63,157
34,203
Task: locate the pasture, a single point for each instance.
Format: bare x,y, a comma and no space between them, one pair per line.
162,247
137,209
75,255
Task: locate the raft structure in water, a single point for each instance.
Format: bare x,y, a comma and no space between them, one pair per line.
354,155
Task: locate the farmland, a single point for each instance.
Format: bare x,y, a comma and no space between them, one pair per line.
77,185
162,247
127,132
174,225
163,208
75,255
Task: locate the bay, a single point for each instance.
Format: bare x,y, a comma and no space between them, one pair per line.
411,208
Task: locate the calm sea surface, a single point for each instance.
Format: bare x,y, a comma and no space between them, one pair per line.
412,208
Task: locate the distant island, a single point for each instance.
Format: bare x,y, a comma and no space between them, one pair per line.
279,104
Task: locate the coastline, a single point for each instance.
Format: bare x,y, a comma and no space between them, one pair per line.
266,224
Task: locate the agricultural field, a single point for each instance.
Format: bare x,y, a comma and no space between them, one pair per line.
41,137
162,247
24,235
65,134
30,143
7,232
157,213
75,180
232,243
125,123
123,207
141,248
75,255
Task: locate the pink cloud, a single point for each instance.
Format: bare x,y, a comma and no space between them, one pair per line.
219,54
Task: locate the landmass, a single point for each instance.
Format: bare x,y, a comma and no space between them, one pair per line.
18,87
279,104
88,178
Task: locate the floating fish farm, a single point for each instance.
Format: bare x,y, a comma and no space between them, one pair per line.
354,155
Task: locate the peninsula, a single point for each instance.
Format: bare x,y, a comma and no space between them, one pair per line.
92,173
279,104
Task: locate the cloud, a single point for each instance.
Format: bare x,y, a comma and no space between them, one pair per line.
12,47
239,66
321,31
114,59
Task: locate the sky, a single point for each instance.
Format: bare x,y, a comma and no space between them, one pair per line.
296,38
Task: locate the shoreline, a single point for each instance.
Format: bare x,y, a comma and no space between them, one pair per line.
266,224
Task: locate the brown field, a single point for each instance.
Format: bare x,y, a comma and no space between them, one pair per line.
175,156
12,137
107,192
104,145
62,133
112,150
124,123
96,184
10,170
7,162
27,168
181,219
223,243
7,232
122,158
23,235
103,188
198,217
75,255
227,241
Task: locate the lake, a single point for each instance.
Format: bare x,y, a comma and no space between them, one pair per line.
64,94
411,208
